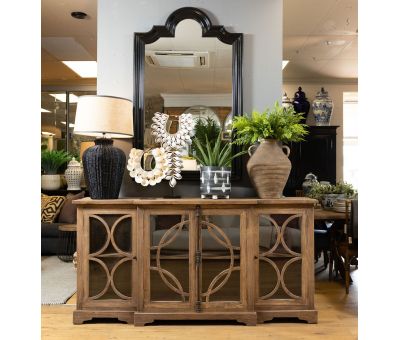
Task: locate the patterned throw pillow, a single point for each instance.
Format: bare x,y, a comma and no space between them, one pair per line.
44,200
51,206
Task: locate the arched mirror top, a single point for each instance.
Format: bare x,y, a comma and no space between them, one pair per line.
187,65
208,30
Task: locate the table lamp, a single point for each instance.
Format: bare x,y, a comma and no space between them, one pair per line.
104,117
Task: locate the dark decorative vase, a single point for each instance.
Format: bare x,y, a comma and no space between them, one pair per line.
215,182
300,103
103,166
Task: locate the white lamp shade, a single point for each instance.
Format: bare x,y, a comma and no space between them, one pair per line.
99,115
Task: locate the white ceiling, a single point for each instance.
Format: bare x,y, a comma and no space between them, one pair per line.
66,38
308,25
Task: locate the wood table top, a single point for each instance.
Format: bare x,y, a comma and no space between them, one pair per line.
322,214
197,201
67,227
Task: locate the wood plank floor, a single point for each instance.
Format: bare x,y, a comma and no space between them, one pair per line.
337,320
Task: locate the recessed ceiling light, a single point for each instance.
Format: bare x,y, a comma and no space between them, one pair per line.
44,110
284,63
78,15
84,69
62,97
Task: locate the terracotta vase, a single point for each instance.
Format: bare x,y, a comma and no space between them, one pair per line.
269,168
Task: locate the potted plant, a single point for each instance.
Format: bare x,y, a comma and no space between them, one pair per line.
328,194
51,161
269,166
215,171
206,128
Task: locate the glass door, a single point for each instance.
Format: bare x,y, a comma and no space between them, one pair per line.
111,258
279,259
169,257
221,243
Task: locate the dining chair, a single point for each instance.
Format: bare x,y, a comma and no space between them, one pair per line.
322,242
347,246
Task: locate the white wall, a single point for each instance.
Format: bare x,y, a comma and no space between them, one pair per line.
259,20
335,91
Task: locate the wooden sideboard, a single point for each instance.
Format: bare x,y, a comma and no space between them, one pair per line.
141,259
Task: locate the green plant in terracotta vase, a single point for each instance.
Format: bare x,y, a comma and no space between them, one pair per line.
265,132
279,123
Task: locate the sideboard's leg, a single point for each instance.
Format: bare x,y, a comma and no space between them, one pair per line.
142,320
80,317
128,318
309,316
262,317
250,320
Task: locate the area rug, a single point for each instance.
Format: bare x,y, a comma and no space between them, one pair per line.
58,280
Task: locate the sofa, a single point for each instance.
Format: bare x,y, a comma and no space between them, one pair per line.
56,210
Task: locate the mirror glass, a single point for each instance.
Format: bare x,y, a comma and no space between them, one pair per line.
188,73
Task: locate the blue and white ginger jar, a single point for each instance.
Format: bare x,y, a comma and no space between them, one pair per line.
322,108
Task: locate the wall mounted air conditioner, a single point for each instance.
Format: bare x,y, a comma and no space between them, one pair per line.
178,59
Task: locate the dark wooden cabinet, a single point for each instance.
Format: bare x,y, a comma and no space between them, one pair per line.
317,154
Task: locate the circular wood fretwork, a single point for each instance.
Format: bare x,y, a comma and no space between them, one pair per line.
99,254
221,278
170,280
292,255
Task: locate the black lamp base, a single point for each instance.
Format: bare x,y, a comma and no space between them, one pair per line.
103,165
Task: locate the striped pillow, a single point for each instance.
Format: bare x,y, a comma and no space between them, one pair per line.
51,207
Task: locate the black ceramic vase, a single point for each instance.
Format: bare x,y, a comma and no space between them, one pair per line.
300,103
103,165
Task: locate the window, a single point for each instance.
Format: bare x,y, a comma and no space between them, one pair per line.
57,109
350,138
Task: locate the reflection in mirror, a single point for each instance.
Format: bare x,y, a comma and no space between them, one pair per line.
188,73
55,115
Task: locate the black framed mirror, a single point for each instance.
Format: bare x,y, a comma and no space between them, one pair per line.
188,65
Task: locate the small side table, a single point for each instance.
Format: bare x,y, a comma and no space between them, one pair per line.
66,242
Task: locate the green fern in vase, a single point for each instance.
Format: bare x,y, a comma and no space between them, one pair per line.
279,123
